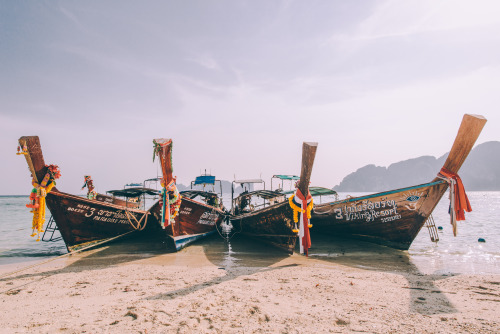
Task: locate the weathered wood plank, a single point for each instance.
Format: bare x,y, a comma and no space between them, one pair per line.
194,218
81,220
469,131
308,155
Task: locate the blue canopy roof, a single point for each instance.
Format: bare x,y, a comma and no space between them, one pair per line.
204,179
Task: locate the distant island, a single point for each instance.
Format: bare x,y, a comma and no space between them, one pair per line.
481,171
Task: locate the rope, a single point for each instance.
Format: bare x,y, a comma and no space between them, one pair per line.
331,205
67,254
138,227
218,231
324,212
228,238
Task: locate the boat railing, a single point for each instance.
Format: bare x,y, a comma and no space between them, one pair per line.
204,180
255,200
289,178
246,192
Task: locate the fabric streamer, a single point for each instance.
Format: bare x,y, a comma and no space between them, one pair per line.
37,198
306,204
459,202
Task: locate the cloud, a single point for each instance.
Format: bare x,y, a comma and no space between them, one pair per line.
206,61
239,85
394,18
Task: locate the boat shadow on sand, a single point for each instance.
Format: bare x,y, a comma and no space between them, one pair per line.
240,257
127,249
425,297
246,257
243,257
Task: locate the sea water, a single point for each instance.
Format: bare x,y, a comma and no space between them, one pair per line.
16,245
461,254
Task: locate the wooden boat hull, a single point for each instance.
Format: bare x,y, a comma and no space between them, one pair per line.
391,218
394,218
195,221
272,225
83,222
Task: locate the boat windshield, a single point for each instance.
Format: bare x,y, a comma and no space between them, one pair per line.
208,197
249,201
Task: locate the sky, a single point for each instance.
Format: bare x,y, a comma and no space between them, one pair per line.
239,85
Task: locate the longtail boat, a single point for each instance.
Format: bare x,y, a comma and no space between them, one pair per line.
270,217
82,222
394,218
188,216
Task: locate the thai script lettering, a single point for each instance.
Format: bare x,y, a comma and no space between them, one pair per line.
367,210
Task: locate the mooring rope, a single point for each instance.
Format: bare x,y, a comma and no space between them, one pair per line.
331,206
138,227
324,212
233,234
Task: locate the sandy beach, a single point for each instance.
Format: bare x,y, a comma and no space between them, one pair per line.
205,290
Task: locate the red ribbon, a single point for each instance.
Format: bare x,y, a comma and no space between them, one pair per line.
461,200
306,239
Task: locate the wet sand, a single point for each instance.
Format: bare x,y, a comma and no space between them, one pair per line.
244,287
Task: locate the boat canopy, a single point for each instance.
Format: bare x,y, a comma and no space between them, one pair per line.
204,179
287,177
154,179
265,194
133,192
193,193
249,181
284,177
315,191
134,185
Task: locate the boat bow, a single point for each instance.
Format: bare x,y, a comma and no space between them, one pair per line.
304,197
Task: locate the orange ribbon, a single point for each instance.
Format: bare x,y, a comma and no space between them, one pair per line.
461,200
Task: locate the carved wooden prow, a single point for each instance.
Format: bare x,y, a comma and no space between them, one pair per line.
308,155
34,156
165,155
469,131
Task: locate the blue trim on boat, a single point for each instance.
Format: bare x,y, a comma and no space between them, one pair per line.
184,240
388,192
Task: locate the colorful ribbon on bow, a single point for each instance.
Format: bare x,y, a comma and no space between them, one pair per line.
170,206
306,203
459,202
